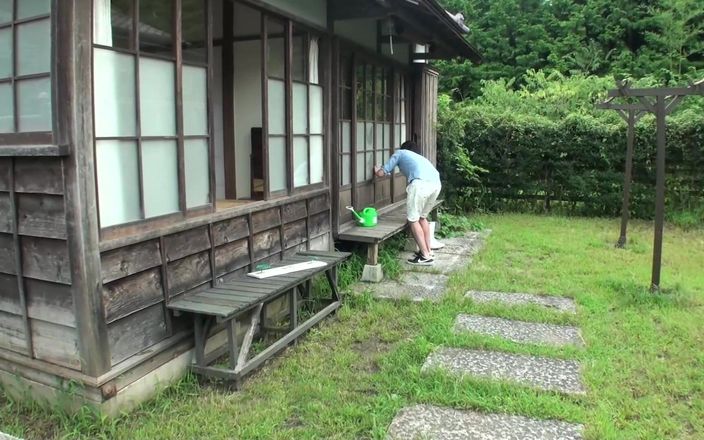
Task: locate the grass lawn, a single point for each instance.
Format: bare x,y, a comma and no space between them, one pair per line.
643,365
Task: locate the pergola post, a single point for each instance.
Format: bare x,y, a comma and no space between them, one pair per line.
628,179
660,113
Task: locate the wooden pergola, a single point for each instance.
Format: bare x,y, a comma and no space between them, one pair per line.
661,101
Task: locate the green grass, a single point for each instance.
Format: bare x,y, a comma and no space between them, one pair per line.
643,365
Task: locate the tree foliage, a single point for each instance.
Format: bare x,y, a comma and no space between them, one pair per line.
663,39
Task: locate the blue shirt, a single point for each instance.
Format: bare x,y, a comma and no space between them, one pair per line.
413,166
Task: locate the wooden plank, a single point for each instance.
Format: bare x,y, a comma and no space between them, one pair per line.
9,295
319,223
5,213
248,292
41,215
55,344
50,302
294,211
264,220
126,261
188,272
43,175
7,254
135,333
133,293
266,244
226,303
12,333
231,256
186,243
230,230
186,305
5,168
318,204
294,233
46,259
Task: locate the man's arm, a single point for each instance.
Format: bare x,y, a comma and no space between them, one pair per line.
388,168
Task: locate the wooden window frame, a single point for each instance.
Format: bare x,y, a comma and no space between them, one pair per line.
19,143
177,58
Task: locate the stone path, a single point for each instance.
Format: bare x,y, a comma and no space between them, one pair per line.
434,423
4,436
520,331
558,303
543,373
539,372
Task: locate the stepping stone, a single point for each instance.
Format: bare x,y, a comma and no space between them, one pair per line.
470,244
429,422
444,263
539,372
558,303
4,436
520,331
413,286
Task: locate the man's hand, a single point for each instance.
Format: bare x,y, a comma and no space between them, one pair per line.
379,171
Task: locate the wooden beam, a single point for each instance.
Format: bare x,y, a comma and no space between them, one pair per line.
76,129
228,101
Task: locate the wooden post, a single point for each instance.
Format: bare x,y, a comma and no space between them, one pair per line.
627,179
76,130
373,254
660,113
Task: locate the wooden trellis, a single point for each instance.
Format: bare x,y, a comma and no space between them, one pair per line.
660,101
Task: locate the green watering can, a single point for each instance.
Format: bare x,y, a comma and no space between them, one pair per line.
368,218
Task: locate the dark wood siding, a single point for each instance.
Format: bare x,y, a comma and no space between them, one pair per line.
426,116
139,278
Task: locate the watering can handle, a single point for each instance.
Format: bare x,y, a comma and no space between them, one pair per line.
351,209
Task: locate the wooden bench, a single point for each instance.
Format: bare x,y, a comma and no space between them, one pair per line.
226,303
391,221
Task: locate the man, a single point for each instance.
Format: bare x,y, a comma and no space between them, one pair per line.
422,191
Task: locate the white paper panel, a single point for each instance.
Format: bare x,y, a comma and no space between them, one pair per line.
316,110
277,164
369,138
346,133
157,101
195,101
360,136
317,158
360,167
277,107
7,119
34,104
387,155
346,169
300,108
379,136
5,53
32,8
399,139
118,182
114,94
33,47
300,161
159,177
369,169
387,136
197,170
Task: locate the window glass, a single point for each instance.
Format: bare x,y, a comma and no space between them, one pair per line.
369,136
34,104
360,136
7,118
114,94
5,53
298,62
300,108
159,177
346,137
346,164
5,11
369,165
194,33
118,181
195,101
32,8
157,101
317,159
33,47
300,161
197,169
276,57
277,164
156,22
316,109
277,108
360,167
113,23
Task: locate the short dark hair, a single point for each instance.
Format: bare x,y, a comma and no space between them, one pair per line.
410,145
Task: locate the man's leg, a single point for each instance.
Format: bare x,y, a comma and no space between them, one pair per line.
425,226
419,236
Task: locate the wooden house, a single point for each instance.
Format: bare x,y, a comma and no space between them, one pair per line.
152,147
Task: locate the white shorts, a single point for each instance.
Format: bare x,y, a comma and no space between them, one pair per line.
420,197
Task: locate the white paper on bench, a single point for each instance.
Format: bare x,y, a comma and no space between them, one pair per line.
283,270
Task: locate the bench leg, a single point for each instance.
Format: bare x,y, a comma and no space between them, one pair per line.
201,327
247,341
372,270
